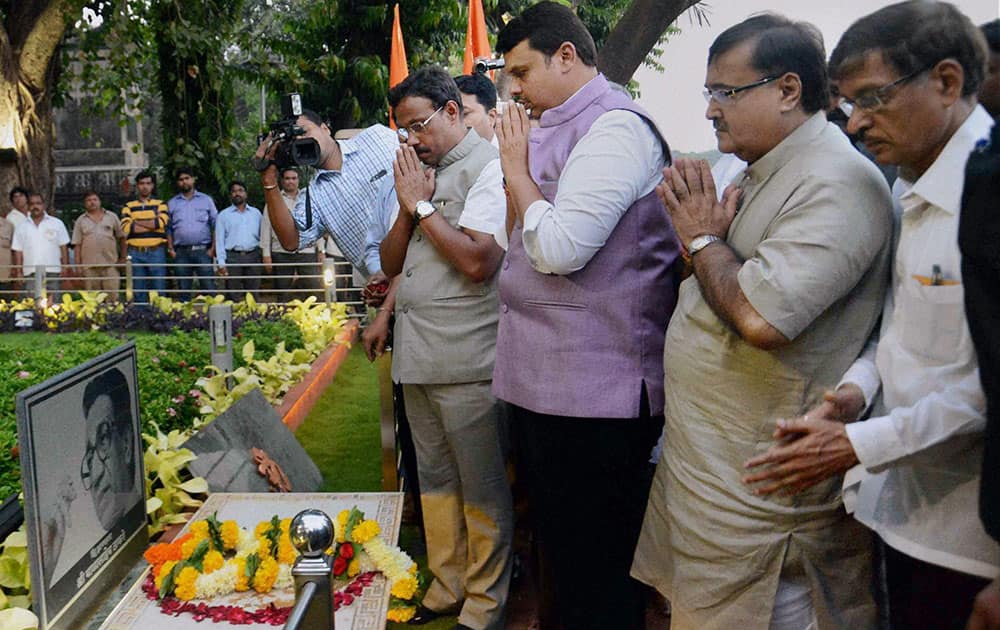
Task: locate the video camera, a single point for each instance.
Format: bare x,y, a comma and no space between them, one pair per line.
292,150
485,64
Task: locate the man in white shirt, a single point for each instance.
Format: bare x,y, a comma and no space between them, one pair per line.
910,72
41,241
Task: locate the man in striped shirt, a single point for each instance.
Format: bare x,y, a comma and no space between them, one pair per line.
144,222
342,193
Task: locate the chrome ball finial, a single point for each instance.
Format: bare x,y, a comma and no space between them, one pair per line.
311,532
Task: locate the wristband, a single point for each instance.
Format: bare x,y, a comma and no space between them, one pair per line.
271,187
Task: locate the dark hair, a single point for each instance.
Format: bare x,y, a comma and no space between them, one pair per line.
145,174
184,170
991,31
430,82
913,36
479,86
312,117
780,46
112,383
17,189
89,192
236,182
547,26
292,169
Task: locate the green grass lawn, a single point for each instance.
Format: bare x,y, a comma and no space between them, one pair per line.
341,435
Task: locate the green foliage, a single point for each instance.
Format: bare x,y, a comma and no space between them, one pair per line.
169,485
266,336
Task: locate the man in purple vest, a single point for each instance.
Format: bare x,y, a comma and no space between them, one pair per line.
586,291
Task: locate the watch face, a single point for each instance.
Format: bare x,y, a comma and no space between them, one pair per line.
425,209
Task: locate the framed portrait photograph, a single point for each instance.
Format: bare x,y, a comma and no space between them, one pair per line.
84,494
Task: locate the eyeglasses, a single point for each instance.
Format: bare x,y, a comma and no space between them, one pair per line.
728,95
878,98
102,449
417,127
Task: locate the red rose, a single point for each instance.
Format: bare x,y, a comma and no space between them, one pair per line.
339,566
347,551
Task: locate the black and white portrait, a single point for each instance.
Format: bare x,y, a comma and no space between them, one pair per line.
83,477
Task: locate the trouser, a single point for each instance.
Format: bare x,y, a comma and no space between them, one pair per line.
924,595
407,452
148,271
243,273
305,266
193,262
588,481
52,286
468,520
102,279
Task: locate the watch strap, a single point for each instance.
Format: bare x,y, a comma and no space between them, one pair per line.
700,242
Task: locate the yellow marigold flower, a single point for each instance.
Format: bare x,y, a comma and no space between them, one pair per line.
405,588
163,572
286,524
242,581
213,561
184,585
261,528
354,568
401,614
266,574
189,546
199,529
341,525
230,534
365,531
286,551
263,546
413,569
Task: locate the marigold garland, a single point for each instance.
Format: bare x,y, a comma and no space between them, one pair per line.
215,559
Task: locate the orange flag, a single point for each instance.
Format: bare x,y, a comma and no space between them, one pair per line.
398,69
477,44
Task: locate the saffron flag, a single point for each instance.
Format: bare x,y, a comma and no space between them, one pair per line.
398,69
477,44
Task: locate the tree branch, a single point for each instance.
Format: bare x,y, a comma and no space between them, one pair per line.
41,44
636,34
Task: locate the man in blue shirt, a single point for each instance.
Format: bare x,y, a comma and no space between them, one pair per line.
190,239
238,243
343,193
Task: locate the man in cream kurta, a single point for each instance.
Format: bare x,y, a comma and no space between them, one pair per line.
783,297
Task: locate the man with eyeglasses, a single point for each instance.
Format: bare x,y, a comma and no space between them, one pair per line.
108,469
790,268
341,196
910,72
446,246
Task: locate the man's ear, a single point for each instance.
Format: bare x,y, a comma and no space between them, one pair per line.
950,78
791,91
565,55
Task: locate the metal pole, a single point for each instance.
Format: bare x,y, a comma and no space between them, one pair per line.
220,322
330,279
311,531
40,282
128,279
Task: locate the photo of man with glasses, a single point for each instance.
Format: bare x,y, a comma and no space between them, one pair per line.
107,471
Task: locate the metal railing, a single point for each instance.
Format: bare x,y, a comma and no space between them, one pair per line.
333,281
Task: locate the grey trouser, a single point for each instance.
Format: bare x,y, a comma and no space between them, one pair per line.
468,518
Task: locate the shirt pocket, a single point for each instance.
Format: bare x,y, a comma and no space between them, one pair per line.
933,320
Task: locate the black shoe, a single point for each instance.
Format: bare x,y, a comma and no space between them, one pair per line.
423,615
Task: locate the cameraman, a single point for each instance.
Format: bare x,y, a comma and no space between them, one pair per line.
343,193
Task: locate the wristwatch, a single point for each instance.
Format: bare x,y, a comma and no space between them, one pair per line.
699,243
423,210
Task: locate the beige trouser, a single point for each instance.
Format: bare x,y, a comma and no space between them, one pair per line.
102,279
468,517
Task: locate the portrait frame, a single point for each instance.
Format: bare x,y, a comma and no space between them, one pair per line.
74,566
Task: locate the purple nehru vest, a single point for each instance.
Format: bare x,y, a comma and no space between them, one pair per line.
585,344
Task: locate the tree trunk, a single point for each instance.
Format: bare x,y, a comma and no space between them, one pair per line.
28,74
636,34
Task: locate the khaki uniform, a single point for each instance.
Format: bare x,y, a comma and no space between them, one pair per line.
98,248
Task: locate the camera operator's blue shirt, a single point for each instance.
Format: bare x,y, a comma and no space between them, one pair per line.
343,201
